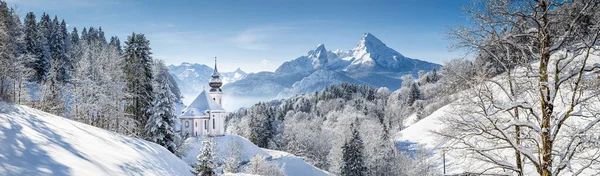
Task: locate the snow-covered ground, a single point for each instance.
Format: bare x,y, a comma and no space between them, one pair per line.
33,142
292,165
224,146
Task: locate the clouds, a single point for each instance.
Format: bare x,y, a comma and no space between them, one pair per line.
258,38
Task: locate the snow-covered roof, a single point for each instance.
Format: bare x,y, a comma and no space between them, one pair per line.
201,104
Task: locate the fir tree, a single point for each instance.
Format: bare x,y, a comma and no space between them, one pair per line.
138,77
352,155
34,49
58,48
160,126
101,35
43,51
74,37
115,42
205,166
84,35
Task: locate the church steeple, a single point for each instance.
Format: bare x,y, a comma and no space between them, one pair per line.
215,72
215,83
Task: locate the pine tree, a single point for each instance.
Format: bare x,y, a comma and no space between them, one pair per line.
415,93
84,35
115,42
138,77
205,166
74,36
160,126
43,51
353,164
34,50
58,48
101,35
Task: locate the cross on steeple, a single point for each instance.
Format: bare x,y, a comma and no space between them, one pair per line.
216,66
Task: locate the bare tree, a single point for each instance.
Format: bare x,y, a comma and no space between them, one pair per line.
538,114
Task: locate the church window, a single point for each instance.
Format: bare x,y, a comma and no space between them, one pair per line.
196,124
187,124
205,125
213,123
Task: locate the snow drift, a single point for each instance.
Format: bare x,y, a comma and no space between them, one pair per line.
33,142
292,165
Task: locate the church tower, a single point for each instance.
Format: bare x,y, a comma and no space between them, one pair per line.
215,84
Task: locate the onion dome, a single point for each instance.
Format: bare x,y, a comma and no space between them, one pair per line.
215,82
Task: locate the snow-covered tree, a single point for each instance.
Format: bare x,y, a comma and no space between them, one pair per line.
536,114
352,155
33,48
160,127
206,165
138,76
233,161
260,166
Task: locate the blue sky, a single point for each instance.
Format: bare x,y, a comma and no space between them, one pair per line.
260,35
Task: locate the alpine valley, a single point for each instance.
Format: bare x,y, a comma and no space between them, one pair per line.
371,62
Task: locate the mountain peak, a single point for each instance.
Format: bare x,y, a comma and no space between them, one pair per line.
239,70
320,47
318,52
368,40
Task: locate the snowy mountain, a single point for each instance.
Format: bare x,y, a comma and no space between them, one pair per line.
227,146
317,81
33,142
370,62
192,78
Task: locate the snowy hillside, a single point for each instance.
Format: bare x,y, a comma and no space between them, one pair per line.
228,144
443,120
370,62
33,142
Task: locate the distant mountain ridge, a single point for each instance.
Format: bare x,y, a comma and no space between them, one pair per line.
370,62
192,78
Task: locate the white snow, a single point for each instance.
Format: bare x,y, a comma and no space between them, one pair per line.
224,144
292,165
33,142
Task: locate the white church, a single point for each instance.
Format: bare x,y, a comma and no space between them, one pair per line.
205,115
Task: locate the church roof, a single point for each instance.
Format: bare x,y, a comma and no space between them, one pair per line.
201,104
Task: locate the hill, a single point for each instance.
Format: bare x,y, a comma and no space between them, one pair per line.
292,165
33,142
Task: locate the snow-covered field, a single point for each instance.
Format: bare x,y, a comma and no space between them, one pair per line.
33,142
292,165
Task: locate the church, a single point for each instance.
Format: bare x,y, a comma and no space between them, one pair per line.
205,115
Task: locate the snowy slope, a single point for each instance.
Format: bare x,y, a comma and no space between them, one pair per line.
33,142
422,133
224,144
292,165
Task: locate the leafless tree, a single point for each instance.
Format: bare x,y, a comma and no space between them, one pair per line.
539,114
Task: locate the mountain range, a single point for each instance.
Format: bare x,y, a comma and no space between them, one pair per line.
370,62
192,78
